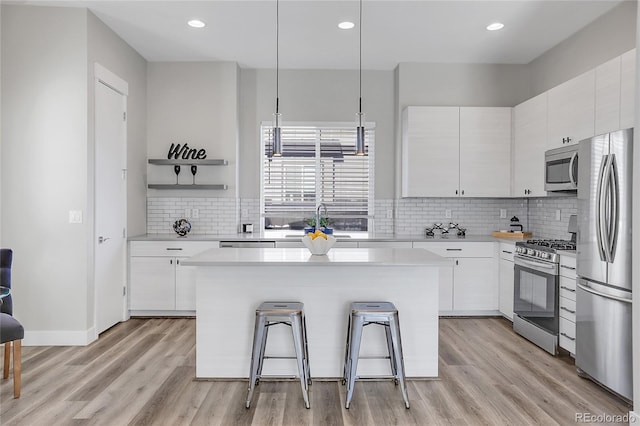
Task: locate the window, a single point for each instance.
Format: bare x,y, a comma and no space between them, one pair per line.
318,165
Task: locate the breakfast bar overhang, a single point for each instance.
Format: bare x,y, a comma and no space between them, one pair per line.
232,282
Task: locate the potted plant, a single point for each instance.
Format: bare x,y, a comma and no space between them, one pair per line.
324,225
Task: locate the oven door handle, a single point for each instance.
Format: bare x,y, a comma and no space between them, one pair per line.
536,264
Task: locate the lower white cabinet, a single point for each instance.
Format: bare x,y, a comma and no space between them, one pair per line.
506,279
471,286
158,283
568,303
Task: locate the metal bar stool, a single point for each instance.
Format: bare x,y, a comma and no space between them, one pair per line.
273,313
380,313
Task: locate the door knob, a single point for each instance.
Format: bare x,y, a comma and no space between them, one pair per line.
102,239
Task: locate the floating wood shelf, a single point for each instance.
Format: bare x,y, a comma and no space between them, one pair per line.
164,162
191,186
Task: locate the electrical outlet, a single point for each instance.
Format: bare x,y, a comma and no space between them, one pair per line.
195,213
503,213
75,216
187,213
558,214
389,214
447,213
245,212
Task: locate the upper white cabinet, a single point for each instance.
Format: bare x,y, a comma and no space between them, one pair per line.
530,135
430,151
570,112
485,152
456,151
627,89
607,118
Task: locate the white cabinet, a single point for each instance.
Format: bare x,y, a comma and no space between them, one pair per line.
485,152
430,151
456,151
471,286
571,107
627,89
530,135
157,281
607,118
505,300
567,303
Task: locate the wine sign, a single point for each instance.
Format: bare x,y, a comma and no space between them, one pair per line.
178,152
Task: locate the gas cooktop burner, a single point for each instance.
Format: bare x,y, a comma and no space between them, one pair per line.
553,244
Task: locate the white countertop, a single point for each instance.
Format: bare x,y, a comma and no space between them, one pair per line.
302,257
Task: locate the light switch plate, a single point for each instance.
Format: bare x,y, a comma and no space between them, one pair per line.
187,213
195,213
447,213
558,214
75,216
503,213
389,214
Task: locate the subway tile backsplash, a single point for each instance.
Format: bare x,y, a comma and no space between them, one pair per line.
404,216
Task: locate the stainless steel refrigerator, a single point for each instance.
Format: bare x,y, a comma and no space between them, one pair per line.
603,300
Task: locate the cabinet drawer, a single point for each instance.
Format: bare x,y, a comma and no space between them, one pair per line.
170,248
568,335
568,266
506,251
568,309
568,288
458,249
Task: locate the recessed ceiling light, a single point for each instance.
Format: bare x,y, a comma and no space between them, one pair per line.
196,23
495,26
346,25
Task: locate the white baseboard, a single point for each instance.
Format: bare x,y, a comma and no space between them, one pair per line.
59,337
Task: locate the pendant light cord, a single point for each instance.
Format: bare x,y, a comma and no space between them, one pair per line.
360,65
277,55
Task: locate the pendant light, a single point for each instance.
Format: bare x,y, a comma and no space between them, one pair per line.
277,130
360,147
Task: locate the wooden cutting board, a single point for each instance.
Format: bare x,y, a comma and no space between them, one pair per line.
517,234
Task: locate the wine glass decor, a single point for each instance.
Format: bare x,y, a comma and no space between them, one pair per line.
194,170
176,170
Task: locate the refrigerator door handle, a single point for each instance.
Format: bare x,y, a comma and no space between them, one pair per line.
600,208
614,202
607,296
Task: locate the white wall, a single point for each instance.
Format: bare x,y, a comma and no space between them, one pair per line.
607,37
636,244
197,104
315,96
44,165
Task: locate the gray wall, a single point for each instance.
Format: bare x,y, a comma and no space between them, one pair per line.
312,96
194,103
44,164
607,37
636,247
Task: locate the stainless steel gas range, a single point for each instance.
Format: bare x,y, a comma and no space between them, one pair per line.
536,292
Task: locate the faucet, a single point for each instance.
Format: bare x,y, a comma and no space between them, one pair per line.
321,205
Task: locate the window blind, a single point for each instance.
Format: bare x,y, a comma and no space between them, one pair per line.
318,165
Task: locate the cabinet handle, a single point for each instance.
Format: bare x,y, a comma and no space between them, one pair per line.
568,337
449,249
508,252
170,261
456,192
568,310
456,262
568,267
174,248
177,261
573,290
463,192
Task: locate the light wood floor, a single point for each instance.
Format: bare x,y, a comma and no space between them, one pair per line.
141,372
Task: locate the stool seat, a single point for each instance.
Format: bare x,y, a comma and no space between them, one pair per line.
378,313
276,313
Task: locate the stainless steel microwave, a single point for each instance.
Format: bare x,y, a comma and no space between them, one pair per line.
561,169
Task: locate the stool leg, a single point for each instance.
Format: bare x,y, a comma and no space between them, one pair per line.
347,347
255,355
7,359
392,354
263,347
394,326
355,336
306,350
17,367
298,341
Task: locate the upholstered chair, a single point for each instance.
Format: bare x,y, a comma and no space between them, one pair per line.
11,331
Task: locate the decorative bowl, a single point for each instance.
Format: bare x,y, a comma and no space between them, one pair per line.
182,227
319,246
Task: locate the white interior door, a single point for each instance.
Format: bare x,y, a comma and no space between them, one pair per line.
110,205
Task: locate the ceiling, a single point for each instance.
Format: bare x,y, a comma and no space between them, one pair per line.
393,31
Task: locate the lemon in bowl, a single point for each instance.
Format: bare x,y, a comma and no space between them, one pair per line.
318,242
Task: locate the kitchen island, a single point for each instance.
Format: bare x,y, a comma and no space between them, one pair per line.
232,282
